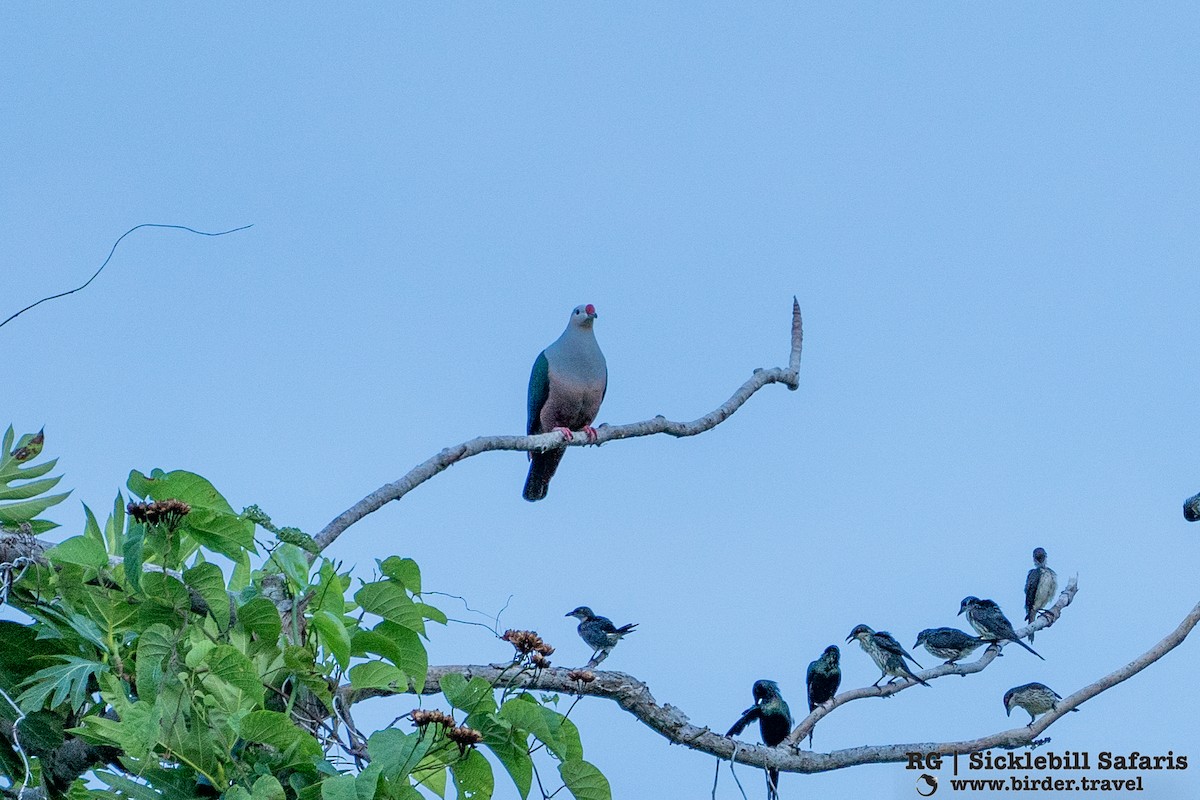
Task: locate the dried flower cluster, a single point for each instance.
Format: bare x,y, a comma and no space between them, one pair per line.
464,737
165,511
421,718
529,645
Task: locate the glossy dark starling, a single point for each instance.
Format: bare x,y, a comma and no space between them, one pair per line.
599,633
948,643
989,621
1040,585
1191,508
886,652
1035,698
824,677
774,723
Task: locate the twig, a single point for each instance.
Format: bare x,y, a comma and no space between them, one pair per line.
110,255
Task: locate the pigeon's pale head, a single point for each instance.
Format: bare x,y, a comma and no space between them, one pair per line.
583,316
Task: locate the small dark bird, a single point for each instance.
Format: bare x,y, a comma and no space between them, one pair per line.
774,723
989,622
948,643
598,633
1191,508
886,652
1040,585
1035,698
824,677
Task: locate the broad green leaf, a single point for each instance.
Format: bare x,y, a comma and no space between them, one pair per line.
236,793
91,527
166,590
432,613
566,735
507,745
399,645
403,570
292,563
228,664
473,776
260,617
221,533
277,730
82,550
155,646
584,781
389,600
396,752
376,675
476,696
131,789
20,655
267,787
528,716
212,521
339,788
334,636
41,732
208,582
431,772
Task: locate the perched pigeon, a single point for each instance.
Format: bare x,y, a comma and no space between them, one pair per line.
598,633
886,652
948,643
823,678
566,388
1035,698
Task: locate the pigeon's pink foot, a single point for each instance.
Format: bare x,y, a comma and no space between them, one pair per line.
591,434
566,433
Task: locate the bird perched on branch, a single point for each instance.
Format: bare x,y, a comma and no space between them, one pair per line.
886,652
1191,508
774,723
1040,585
599,633
566,388
989,622
1035,698
823,678
948,643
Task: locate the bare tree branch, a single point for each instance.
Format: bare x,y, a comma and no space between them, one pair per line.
789,376
634,696
112,250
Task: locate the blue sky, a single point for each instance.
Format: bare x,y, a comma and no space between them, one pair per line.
988,213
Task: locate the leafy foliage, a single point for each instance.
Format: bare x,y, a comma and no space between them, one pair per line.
183,663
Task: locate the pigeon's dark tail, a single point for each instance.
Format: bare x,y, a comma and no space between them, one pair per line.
624,629
541,470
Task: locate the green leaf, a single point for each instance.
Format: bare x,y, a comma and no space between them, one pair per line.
291,561
128,788
388,600
166,590
276,729
334,636
41,732
584,781
26,510
60,683
267,787
396,752
133,553
527,716
568,747
339,788
473,777
155,646
399,645
260,617
507,745
432,613
27,490
212,521
376,675
228,664
208,582
82,550
403,570
476,696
